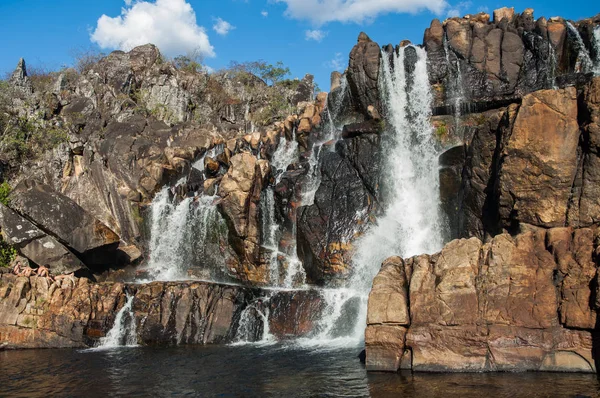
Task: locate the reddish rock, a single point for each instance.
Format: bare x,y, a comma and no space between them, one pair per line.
540,160
515,303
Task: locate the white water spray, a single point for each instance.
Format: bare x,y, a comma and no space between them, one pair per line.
455,88
584,62
253,327
412,223
333,129
183,234
597,48
285,154
123,333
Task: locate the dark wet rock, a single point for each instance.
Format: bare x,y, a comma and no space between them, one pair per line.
342,204
357,129
64,219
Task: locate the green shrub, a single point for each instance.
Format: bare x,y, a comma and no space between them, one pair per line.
4,192
441,131
7,253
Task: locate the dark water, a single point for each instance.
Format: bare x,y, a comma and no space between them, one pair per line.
254,372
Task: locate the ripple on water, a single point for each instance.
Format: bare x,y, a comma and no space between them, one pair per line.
253,371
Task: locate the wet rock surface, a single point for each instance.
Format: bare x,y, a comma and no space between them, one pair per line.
37,312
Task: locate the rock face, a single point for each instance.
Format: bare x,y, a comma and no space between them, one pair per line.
346,196
39,313
363,73
499,60
530,163
539,160
515,303
63,218
36,245
240,190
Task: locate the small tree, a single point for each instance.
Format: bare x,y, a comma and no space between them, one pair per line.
191,62
85,58
272,74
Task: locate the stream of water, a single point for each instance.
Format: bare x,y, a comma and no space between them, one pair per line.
597,47
584,62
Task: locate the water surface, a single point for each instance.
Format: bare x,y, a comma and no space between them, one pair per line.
251,371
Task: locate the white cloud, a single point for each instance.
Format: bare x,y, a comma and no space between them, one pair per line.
222,27
316,35
337,63
459,9
264,13
320,12
169,24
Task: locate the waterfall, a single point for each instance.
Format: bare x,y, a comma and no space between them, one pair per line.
584,62
597,48
552,69
454,88
253,326
211,153
313,179
412,223
123,333
285,154
184,234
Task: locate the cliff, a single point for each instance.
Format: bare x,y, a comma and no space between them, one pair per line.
159,172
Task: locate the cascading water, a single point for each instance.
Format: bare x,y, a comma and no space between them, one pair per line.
253,325
584,62
123,333
412,223
597,47
184,234
285,154
454,89
332,128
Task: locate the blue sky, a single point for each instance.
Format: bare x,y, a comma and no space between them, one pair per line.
309,36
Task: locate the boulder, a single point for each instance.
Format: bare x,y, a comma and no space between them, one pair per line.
64,219
504,13
363,73
36,245
240,191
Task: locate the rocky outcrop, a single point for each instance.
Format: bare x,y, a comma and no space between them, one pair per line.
240,190
539,160
530,163
37,312
363,73
64,219
515,303
346,196
499,60
36,245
